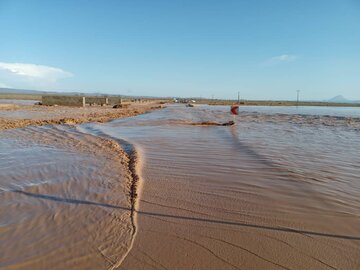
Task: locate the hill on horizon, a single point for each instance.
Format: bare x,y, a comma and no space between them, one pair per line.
342,99
39,92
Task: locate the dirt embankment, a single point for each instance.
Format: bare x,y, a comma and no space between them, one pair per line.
18,116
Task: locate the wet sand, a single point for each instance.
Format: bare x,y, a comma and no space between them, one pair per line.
18,116
164,191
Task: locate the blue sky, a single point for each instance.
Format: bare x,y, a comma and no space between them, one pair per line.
264,49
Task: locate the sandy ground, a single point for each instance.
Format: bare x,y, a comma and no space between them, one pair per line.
18,116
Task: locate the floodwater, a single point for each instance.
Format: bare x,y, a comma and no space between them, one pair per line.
278,190
18,101
304,110
63,200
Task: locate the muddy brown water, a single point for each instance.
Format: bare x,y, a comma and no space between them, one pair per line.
278,190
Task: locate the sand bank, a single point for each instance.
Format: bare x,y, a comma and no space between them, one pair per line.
18,116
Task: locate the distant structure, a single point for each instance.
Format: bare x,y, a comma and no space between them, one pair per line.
74,101
82,101
297,97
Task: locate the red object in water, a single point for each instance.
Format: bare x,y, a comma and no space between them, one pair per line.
234,109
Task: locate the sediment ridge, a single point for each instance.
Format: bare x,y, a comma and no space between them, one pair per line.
24,116
131,159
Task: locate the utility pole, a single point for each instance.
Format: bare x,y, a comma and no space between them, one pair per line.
297,97
238,97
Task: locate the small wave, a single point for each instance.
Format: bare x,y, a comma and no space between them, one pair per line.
301,119
23,185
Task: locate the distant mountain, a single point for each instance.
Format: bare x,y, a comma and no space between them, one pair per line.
37,92
342,99
339,98
22,91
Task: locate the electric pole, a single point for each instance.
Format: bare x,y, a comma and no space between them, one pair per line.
297,97
238,97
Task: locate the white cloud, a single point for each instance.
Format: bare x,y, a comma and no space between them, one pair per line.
33,71
284,58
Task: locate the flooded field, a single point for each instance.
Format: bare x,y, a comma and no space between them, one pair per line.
18,101
170,190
